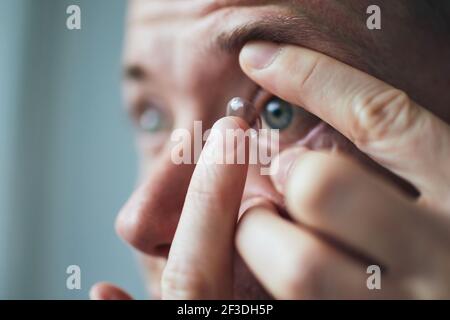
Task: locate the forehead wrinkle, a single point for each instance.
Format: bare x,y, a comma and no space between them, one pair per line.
149,12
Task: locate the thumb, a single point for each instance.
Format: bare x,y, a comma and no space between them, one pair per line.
380,120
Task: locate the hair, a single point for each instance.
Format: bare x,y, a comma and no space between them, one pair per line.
440,6
437,10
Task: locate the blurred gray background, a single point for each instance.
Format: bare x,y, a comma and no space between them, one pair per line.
67,162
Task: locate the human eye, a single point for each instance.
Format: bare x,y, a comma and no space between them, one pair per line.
292,121
278,114
152,120
153,125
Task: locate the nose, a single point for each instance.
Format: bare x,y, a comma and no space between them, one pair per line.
149,218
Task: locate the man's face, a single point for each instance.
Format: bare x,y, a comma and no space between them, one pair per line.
181,62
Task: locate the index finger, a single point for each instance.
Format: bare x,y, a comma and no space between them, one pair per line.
200,263
379,119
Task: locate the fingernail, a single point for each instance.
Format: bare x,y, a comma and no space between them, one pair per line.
282,166
259,55
257,202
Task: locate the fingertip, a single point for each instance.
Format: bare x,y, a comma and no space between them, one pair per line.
230,122
96,292
282,165
320,182
303,178
107,291
255,203
225,142
258,55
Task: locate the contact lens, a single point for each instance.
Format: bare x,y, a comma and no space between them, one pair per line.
239,107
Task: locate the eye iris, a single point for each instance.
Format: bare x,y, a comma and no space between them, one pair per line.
151,120
278,114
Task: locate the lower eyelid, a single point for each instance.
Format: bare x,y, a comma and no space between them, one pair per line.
152,144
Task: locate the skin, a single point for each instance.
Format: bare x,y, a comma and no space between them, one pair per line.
335,196
182,219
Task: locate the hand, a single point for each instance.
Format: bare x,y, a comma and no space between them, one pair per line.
200,262
343,216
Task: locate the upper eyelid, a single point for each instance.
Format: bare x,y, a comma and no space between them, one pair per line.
260,98
137,109
139,97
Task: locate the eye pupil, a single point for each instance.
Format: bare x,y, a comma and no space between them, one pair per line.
278,114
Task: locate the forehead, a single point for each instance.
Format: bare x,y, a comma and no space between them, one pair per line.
173,37
201,19
163,35
156,24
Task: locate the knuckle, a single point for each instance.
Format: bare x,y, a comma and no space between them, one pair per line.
303,277
380,115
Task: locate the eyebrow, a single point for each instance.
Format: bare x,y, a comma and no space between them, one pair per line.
279,29
301,30
134,72
290,30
